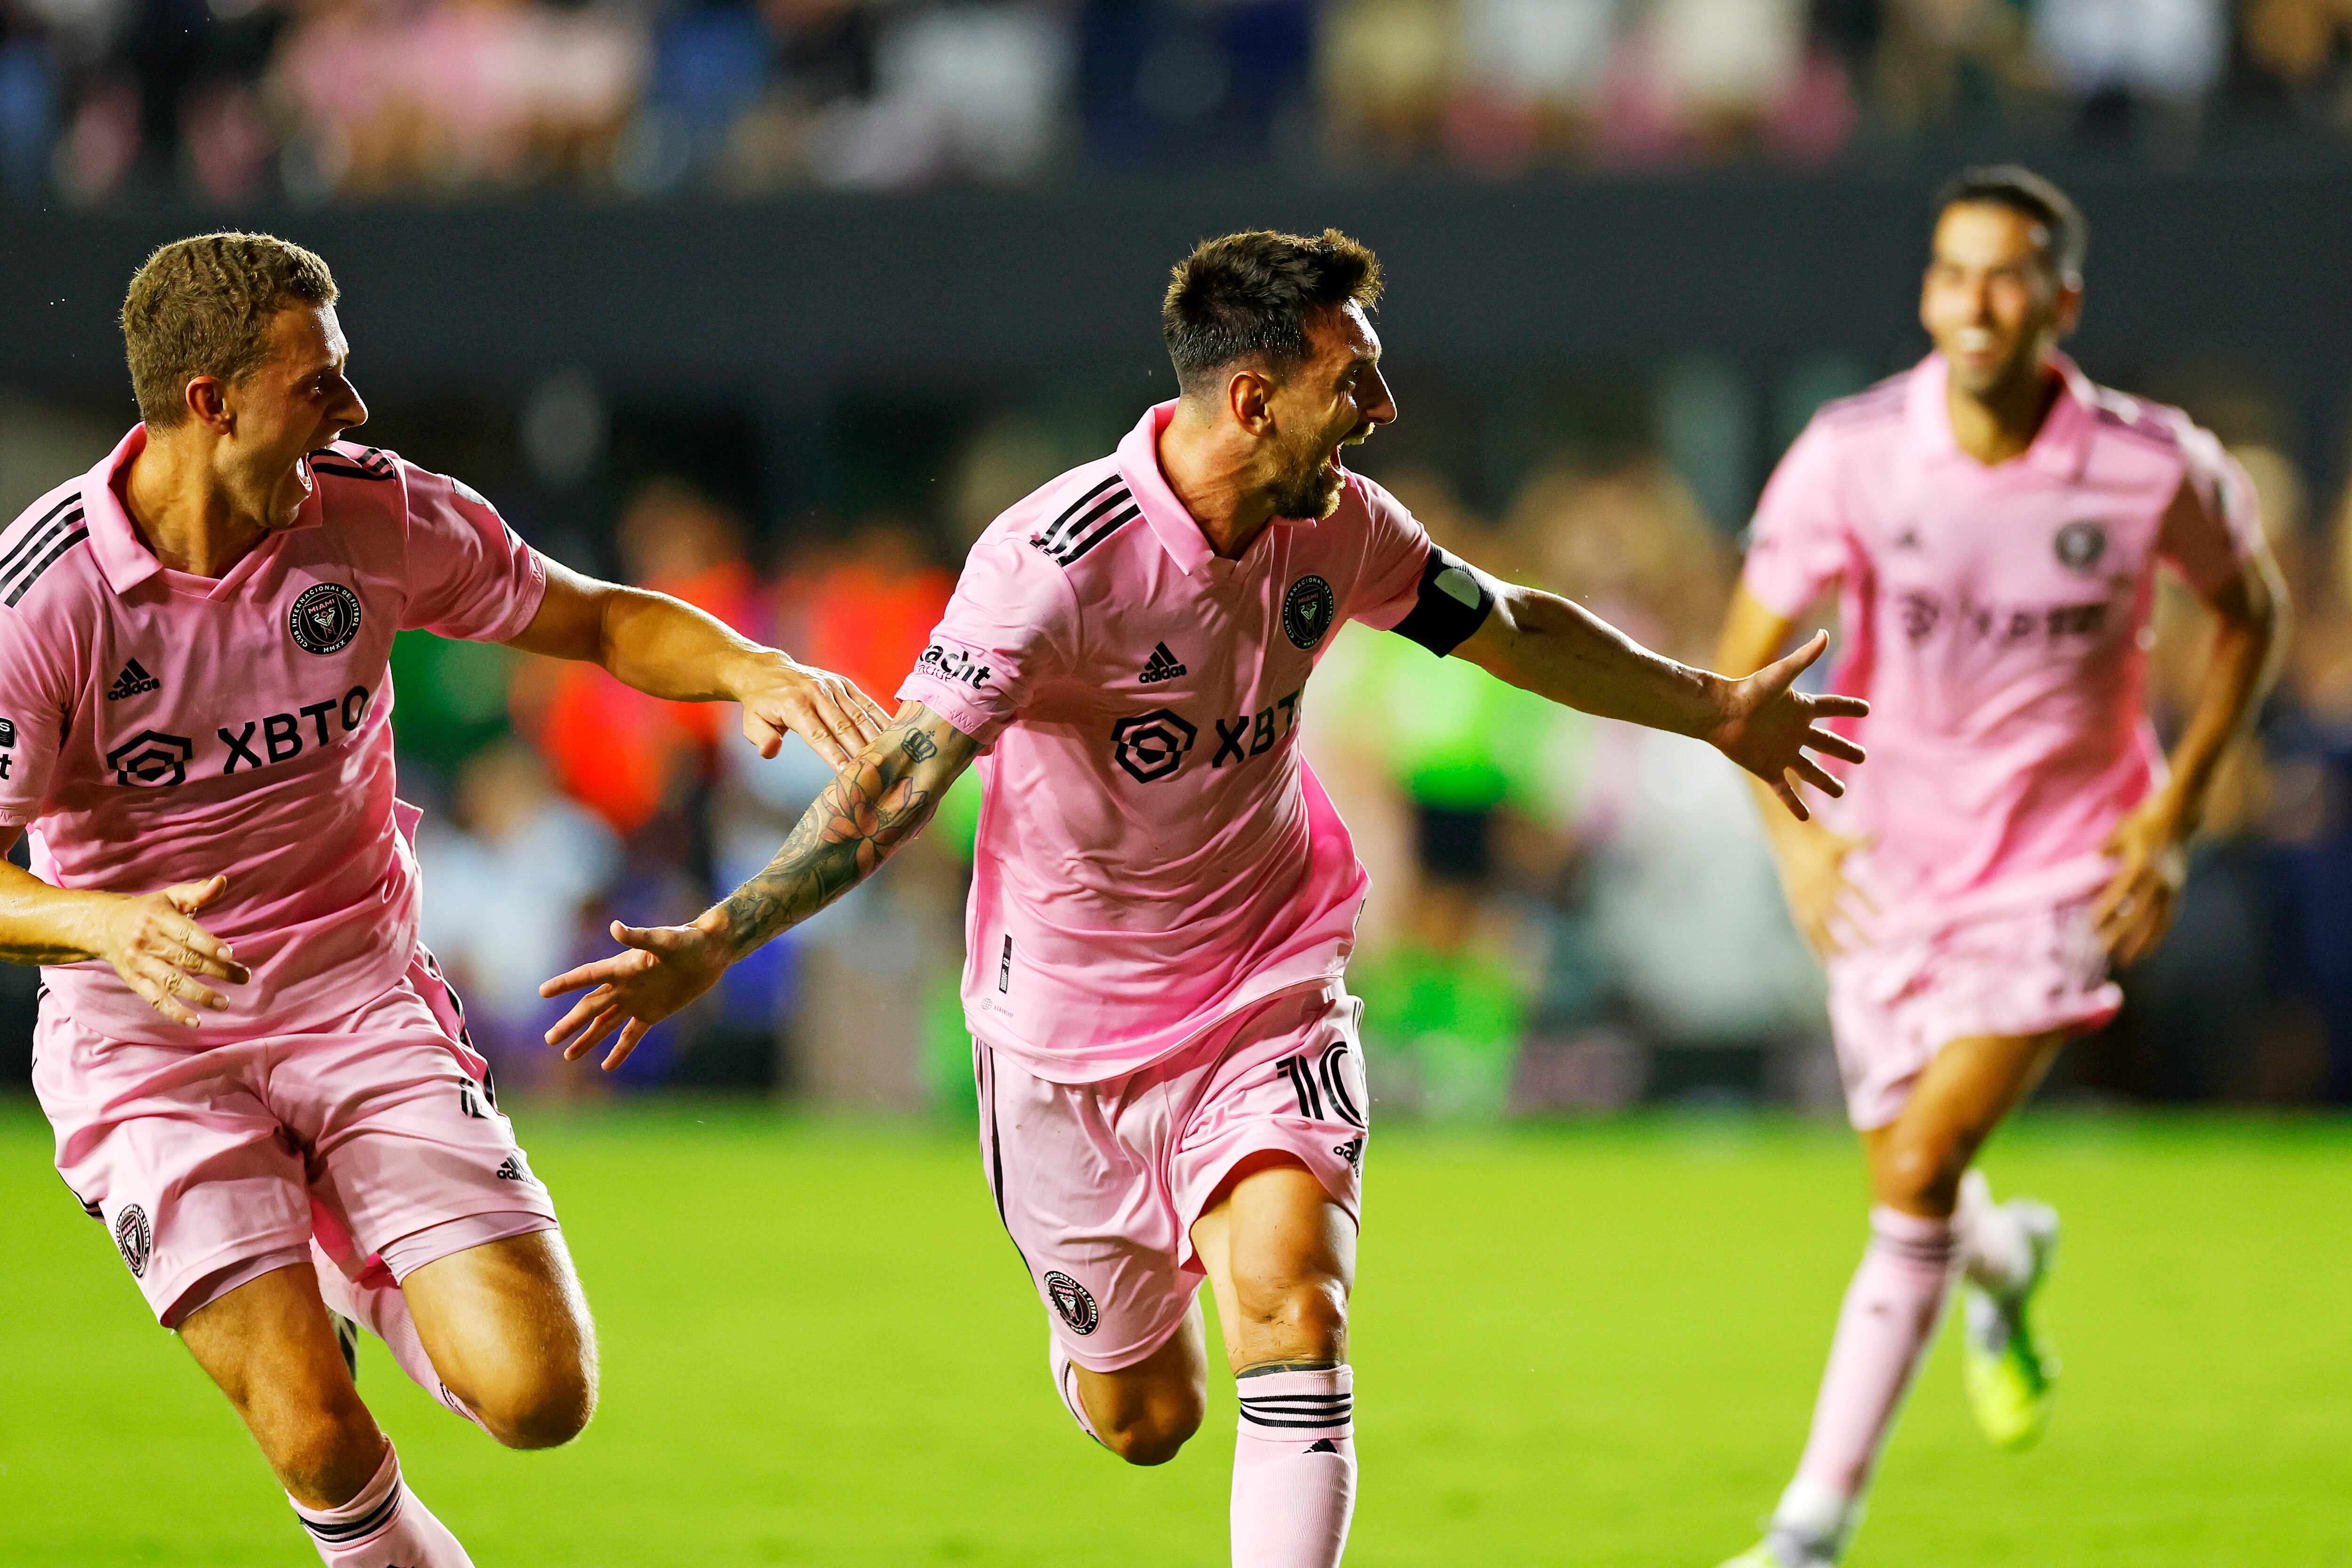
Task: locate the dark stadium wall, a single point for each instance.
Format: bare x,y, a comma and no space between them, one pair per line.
788,300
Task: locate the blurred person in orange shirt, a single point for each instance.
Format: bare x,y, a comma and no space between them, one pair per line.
612,748
868,611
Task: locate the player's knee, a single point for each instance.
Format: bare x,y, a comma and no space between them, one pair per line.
325,1452
545,1409
1153,1431
1921,1175
1294,1318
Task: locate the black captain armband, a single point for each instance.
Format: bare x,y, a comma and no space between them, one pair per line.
1453,602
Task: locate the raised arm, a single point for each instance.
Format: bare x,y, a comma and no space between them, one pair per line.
1560,650
667,648
881,800
153,940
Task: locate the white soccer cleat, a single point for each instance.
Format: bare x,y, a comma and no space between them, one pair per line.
1779,1550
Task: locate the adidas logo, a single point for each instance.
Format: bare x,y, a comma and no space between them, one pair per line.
1323,1446
131,681
1162,666
512,1169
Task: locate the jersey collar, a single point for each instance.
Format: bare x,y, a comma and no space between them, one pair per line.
121,554
2060,447
1171,524
1176,529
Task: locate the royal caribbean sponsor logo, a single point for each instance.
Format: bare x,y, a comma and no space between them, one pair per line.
1307,611
953,664
151,759
1151,745
325,618
1073,1301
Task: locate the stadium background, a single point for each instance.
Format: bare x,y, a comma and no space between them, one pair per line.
773,305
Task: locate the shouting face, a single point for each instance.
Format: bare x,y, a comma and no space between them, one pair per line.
296,401
1331,401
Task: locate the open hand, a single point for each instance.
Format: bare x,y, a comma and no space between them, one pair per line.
665,967
1767,727
827,710
155,945
2151,855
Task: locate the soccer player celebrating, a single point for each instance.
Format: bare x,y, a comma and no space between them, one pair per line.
259,1080
1993,522
1163,900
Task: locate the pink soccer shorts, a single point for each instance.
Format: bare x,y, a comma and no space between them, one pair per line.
212,1164
1893,1003
1098,1183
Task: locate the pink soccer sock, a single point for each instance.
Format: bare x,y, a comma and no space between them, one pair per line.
1295,1469
384,1527
375,1302
1884,1328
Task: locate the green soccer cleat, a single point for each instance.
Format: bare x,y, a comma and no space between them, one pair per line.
2006,1368
1777,1550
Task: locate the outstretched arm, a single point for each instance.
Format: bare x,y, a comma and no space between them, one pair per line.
667,648
1560,650
881,799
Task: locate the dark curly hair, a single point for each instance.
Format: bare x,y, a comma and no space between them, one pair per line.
1250,296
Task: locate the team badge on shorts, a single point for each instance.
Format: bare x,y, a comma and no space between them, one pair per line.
134,1239
325,618
1151,745
1073,1301
1307,611
2080,545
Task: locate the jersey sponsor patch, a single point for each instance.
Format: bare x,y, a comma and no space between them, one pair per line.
1152,745
151,759
1073,1301
952,664
1307,611
7,733
134,1239
134,680
324,618
1163,665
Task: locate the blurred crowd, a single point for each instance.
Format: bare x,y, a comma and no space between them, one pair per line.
236,100
1567,912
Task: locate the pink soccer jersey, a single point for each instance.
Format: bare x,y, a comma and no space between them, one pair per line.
1995,619
157,728
1154,855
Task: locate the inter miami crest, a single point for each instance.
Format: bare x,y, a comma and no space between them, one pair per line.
325,618
2080,545
1073,1301
135,1239
1307,611
1151,745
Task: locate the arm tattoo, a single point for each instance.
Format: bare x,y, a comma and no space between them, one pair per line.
847,831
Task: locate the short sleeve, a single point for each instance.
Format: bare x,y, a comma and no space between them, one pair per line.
470,575
2213,525
1010,624
1396,548
1798,542
35,694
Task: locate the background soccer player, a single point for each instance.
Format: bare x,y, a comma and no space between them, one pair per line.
1163,900
194,639
1993,523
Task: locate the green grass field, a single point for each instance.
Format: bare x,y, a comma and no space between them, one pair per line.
1576,1344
